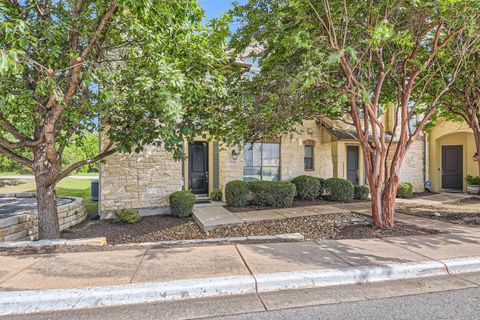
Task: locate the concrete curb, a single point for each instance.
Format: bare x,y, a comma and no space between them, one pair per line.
353,275
462,265
286,236
20,302
100,241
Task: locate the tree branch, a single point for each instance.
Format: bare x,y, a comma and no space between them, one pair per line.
16,157
108,151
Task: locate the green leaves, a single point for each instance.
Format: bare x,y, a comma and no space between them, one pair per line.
155,76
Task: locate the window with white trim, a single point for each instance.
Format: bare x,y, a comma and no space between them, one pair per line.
261,162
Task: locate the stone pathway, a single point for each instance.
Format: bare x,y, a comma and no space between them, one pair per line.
214,217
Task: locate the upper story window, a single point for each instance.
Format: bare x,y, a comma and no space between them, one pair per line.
308,157
261,162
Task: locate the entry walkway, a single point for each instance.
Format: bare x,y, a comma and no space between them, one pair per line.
214,217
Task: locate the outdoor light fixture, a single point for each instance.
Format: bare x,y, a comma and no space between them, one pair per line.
234,154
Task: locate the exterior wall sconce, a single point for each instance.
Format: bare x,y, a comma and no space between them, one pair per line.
234,154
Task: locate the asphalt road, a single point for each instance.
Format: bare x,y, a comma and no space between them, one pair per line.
459,304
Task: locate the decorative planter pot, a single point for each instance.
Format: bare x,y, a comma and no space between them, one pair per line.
473,189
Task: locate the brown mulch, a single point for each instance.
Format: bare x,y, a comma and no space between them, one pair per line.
446,213
296,203
156,228
464,211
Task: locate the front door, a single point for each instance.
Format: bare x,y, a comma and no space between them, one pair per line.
198,167
452,167
352,164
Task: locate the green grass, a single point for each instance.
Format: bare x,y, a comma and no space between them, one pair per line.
67,187
89,174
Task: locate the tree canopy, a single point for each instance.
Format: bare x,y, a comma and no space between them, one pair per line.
138,71
353,60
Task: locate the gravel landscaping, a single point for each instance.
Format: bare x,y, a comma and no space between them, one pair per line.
463,211
156,228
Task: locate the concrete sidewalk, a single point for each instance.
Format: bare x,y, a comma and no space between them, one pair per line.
33,283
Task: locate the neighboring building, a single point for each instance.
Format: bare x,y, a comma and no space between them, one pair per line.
144,181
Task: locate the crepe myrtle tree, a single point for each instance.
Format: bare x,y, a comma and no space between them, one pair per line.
138,71
321,57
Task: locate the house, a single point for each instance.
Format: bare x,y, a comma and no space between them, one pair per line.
144,181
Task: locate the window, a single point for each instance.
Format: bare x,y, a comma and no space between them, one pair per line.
308,157
262,162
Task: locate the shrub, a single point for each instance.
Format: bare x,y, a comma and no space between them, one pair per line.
322,186
307,187
361,192
237,193
473,181
405,190
340,189
128,216
181,203
216,195
272,193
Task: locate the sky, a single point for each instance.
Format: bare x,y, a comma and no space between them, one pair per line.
214,8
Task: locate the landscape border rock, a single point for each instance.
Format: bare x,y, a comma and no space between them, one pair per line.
23,225
100,241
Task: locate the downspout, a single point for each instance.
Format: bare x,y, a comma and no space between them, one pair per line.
99,203
426,158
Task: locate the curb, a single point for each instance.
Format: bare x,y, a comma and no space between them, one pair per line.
100,241
21,302
350,275
462,265
286,236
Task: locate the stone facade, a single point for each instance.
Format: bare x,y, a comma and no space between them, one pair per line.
144,181
138,180
413,166
24,225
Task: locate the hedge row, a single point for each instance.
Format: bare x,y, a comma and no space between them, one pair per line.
262,193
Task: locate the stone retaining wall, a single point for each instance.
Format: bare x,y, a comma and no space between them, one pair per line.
24,225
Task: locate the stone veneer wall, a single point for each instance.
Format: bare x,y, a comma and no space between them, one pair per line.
142,180
413,166
24,225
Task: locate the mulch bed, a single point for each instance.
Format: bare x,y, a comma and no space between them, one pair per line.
451,213
296,203
156,228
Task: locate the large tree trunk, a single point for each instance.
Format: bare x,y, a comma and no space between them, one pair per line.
48,225
46,167
383,204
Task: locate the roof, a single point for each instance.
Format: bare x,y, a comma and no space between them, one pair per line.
349,135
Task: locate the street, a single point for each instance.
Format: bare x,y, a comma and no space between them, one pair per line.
445,297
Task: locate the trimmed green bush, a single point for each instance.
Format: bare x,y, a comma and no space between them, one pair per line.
361,192
340,189
237,193
272,193
127,216
322,186
307,187
181,203
216,195
405,190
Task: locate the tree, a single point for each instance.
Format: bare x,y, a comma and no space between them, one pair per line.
138,71
462,101
358,58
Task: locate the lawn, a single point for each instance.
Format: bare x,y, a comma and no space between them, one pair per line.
67,187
